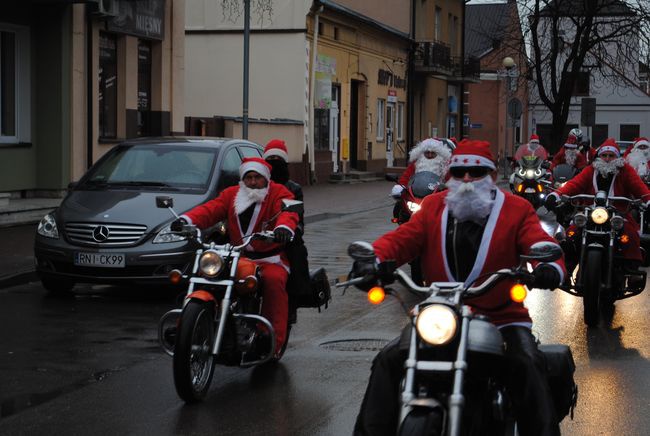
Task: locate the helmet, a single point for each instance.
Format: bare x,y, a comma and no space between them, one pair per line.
577,133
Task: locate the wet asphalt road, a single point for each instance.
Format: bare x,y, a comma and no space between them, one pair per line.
91,364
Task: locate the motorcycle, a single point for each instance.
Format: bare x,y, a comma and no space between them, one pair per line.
529,180
419,186
596,240
562,173
454,356
220,322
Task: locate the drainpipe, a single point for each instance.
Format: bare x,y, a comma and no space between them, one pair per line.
312,86
89,88
410,98
462,76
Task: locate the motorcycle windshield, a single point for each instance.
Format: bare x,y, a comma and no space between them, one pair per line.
530,162
423,183
563,172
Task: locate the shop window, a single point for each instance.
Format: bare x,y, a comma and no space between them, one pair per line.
321,129
628,132
107,86
144,88
14,86
400,121
381,110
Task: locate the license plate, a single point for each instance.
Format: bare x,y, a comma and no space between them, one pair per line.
529,190
112,260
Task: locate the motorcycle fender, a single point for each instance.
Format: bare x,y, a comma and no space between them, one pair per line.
202,295
595,246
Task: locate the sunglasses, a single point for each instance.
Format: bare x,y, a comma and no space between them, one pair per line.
474,172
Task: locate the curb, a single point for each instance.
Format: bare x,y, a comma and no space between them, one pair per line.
20,278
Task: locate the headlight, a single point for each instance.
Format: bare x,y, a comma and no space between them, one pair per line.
617,222
210,264
538,172
521,172
47,227
436,324
599,215
580,219
413,206
166,235
530,174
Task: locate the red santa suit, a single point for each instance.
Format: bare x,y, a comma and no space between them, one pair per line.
638,156
512,228
626,183
419,162
274,266
560,157
533,148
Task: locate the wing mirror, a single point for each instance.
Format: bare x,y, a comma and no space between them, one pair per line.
164,202
292,206
361,250
544,252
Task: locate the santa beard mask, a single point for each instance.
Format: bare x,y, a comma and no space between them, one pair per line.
437,165
471,201
246,197
607,168
533,146
570,156
639,160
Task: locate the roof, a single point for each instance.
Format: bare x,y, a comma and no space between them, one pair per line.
572,8
185,140
484,27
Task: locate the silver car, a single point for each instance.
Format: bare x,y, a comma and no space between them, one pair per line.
108,228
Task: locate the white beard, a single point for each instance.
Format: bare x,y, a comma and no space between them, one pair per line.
437,165
606,168
570,156
470,201
533,146
246,197
639,161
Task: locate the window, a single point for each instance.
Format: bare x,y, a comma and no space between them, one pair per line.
437,24
321,129
400,121
628,132
250,151
381,110
107,86
229,174
144,88
15,82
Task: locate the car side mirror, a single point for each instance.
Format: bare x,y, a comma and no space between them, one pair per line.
292,206
392,177
164,202
361,250
544,252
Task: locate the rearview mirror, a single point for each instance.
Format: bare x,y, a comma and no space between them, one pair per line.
164,202
392,177
361,250
292,206
544,252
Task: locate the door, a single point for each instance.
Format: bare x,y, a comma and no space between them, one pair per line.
334,127
390,133
354,122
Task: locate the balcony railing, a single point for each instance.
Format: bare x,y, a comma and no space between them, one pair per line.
468,69
434,57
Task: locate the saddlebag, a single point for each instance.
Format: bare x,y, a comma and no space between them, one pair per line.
560,369
315,293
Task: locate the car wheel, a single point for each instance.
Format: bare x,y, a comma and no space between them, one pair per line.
57,286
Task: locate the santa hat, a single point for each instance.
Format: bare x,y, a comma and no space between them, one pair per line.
609,146
276,147
571,142
257,164
641,141
534,139
431,144
472,153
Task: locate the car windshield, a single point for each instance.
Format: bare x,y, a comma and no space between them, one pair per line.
154,166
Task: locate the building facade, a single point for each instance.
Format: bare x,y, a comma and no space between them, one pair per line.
79,78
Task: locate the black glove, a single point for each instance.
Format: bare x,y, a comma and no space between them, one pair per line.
546,277
177,225
282,235
364,269
550,203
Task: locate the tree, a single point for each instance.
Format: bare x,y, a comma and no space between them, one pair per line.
568,38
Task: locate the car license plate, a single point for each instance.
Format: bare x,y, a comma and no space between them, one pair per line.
106,260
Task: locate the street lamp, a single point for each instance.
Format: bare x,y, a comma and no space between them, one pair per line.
509,72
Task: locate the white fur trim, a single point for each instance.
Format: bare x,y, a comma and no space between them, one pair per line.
569,145
396,191
430,144
276,152
285,227
258,167
641,142
471,160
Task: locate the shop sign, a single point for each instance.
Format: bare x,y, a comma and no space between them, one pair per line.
387,78
392,96
143,18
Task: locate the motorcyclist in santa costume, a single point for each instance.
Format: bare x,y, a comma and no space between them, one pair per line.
611,174
468,230
569,154
533,148
248,207
638,156
429,155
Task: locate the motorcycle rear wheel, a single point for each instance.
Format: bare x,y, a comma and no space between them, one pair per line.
193,359
422,422
591,287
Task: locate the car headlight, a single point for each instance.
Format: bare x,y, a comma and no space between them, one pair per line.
436,324
580,219
413,206
210,263
617,222
599,215
530,174
47,227
166,235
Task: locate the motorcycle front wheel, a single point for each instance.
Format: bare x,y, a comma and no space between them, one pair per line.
591,287
422,422
193,359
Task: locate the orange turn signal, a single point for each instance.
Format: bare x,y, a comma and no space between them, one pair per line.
571,233
393,220
520,188
539,188
518,293
175,276
625,238
376,295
